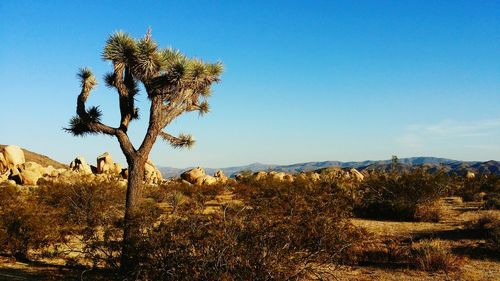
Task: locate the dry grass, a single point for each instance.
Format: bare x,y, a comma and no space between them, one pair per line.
433,255
444,250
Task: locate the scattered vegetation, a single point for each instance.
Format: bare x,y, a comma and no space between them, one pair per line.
264,230
488,227
481,188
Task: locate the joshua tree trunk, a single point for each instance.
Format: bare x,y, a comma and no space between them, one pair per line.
174,84
131,228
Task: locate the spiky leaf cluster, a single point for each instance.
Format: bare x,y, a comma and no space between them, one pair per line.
165,72
78,127
87,79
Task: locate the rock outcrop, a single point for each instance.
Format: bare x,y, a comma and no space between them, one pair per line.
151,174
192,175
356,175
80,165
220,177
105,164
31,172
11,156
206,180
260,175
198,176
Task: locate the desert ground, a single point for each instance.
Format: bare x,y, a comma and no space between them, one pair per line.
332,224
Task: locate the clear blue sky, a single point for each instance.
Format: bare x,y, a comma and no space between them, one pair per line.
304,80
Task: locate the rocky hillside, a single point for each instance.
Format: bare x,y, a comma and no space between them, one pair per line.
40,159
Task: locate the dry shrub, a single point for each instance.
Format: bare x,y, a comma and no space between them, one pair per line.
488,227
431,212
24,224
389,251
474,189
283,231
433,255
401,197
492,201
92,213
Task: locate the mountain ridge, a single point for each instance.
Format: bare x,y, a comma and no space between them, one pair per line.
435,163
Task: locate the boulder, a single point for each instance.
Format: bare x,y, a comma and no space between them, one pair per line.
151,174
470,175
116,169
3,163
30,177
80,165
50,171
288,178
206,180
332,173
260,175
105,163
219,175
193,174
31,172
355,174
278,176
11,156
4,177
302,176
315,177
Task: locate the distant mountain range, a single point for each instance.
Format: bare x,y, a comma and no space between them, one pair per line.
430,163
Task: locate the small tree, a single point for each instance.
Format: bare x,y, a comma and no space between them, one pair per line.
394,163
174,84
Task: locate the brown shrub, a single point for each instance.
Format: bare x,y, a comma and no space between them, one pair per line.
433,255
25,225
400,197
281,232
488,227
431,212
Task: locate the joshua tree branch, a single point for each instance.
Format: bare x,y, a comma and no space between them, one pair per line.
123,81
88,121
125,144
178,142
154,127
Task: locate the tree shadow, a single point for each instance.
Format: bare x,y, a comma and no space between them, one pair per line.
36,270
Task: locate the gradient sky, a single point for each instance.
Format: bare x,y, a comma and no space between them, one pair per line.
303,81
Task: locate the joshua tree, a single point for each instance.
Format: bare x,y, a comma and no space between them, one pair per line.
174,84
